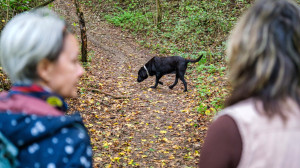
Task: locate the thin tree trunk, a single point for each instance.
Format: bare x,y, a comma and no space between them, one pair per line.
159,14
82,32
44,4
7,10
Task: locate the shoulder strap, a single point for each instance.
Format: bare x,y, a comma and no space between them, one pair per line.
8,153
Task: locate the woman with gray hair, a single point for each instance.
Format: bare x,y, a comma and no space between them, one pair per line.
40,56
260,126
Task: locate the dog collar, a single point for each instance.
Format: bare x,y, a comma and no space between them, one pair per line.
146,70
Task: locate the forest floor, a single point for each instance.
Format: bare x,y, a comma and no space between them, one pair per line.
130,124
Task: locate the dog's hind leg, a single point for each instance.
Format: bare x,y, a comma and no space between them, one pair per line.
184,82
175,82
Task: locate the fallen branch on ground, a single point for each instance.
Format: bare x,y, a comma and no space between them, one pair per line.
108,94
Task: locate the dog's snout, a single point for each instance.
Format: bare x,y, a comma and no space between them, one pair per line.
139,79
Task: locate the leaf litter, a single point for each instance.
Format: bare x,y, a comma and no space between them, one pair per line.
130,124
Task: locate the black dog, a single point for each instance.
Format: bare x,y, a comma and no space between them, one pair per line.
159,66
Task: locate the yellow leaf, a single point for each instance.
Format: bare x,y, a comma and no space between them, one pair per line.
163,131
117,159
105,144
189,120
176,147
171,157
3,21
207,112
91,101
196,153
185,110
165,140
128,149
129,125
130,162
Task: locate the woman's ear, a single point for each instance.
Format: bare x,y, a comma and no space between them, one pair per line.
44,69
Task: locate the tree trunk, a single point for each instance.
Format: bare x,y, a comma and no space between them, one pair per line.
44,4
159,14
82,32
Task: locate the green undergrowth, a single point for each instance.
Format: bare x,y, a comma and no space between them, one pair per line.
186,27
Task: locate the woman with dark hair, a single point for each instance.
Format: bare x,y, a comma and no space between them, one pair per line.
260,126
40,56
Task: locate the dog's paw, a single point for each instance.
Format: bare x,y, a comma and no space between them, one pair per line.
161,83
185,90
171,87
153,87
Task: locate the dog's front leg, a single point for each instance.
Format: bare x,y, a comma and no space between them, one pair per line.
156,81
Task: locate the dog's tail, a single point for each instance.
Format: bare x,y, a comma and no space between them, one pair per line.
196,60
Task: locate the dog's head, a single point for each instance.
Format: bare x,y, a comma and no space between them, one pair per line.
142,74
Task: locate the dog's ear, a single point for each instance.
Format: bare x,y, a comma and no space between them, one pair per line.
142,72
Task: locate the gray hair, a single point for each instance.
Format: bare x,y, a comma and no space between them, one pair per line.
27,39
264,54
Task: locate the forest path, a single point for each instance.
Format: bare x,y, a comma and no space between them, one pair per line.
130,124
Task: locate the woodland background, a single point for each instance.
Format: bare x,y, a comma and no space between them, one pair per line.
130,124
186,28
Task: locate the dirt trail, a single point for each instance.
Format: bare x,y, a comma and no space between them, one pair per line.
151,127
